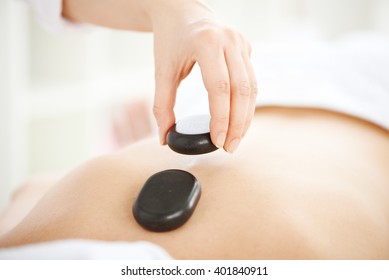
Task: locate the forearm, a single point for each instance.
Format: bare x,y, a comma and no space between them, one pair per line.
137,15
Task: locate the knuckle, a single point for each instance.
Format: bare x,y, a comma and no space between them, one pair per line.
244,88
158,111
220,88
208,35
223,86
163,115
230,33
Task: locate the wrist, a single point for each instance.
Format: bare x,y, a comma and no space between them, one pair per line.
176,11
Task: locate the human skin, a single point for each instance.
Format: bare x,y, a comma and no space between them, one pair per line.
305,184
186,32
130,122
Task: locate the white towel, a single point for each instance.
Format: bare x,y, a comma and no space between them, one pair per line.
350,75
78,249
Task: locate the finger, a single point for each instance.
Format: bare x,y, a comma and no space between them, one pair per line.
253,92
240,98
216,80
164,100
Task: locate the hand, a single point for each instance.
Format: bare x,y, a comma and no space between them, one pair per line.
186,32
181,40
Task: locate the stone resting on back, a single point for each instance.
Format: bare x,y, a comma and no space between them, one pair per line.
304,184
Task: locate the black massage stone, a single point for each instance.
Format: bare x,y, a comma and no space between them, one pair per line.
191,136
167,200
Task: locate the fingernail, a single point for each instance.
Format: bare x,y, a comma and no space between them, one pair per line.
233,145
220,140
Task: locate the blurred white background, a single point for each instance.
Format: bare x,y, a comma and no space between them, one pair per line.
57,90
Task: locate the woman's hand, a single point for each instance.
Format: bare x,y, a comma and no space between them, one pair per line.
187,34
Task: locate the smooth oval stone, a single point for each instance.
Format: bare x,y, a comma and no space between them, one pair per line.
191,136
167,200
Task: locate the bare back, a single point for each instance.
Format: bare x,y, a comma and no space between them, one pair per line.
303,184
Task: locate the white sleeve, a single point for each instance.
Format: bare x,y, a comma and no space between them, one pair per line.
49,14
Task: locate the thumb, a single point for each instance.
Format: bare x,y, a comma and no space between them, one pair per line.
164,100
